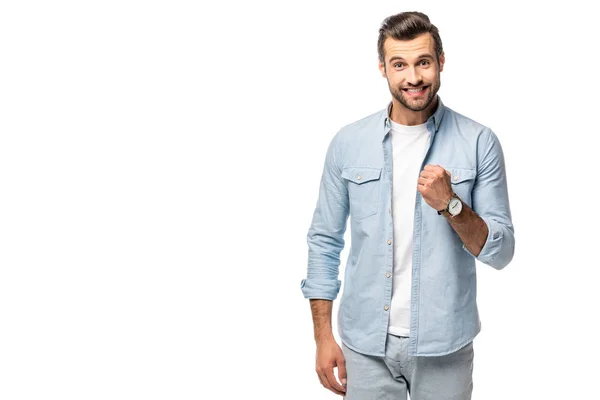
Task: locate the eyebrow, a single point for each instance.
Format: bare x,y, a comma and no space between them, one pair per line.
426,55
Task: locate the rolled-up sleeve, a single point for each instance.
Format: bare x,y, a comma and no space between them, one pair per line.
490,201
325,236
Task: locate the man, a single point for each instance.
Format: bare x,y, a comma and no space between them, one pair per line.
426,191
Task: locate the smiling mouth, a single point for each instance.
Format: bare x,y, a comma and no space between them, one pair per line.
416,90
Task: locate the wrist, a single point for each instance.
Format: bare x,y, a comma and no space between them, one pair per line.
324,340
446,202
453,206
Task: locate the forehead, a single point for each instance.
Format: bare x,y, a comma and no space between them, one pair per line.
409,49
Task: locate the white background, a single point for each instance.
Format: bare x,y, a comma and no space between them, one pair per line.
159,166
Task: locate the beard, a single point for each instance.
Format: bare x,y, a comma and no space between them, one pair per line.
416,104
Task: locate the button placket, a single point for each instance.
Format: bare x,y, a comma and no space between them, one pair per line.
389,218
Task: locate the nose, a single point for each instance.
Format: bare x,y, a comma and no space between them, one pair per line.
414,78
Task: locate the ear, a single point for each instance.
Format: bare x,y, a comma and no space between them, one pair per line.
442,61
381,68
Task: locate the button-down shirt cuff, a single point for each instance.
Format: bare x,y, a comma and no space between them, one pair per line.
320,288
493,242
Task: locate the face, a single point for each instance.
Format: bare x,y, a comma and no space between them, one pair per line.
412,64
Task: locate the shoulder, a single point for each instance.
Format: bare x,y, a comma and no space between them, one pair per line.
466,125
472,131
362,126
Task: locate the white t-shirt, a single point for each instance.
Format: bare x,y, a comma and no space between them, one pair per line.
409,145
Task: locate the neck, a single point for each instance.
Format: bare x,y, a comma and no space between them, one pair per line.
402,115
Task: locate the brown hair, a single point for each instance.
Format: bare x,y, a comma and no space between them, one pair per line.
406,26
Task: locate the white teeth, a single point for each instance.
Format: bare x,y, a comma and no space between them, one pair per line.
415,90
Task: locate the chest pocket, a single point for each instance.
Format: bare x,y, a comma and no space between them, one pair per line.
364,186
462,180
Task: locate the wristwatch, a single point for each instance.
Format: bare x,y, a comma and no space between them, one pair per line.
453,207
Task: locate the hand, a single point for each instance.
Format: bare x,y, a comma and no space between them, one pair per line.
329,355
434,185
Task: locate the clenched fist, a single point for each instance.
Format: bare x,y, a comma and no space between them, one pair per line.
434,185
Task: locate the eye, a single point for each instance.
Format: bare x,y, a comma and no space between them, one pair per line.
396,65
425,61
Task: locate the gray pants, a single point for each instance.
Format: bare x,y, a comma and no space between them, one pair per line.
397,375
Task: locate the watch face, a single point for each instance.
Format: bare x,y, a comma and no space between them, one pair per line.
455,206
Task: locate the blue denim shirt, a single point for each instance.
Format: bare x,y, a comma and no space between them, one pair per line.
357,182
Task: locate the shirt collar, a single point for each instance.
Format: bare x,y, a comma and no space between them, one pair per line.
435,118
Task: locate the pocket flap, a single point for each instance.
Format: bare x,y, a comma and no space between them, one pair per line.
459,175
361,174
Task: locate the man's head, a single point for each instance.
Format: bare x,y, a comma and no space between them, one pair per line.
411,56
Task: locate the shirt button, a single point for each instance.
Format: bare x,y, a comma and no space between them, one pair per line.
389,241
359,177
387,275
386,308
455,177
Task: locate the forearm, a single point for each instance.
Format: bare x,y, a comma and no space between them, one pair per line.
470,227
321,313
